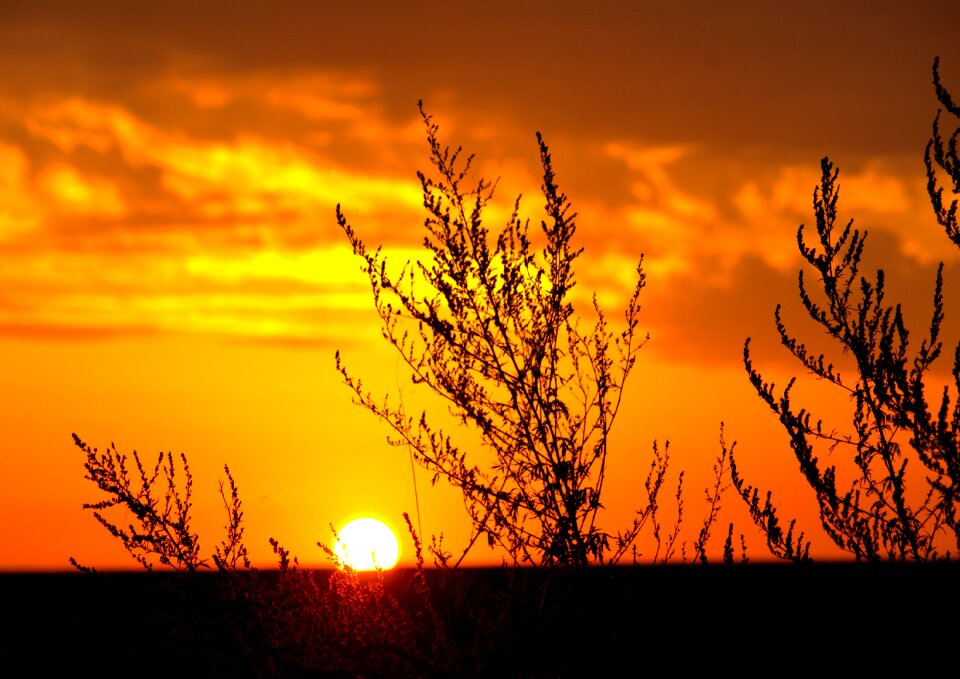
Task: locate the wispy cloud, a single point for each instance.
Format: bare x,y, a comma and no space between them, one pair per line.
120,223
69,192
249,176
219,219
20,212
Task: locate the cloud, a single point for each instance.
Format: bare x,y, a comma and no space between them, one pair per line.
720,260
885,194
313,297
321,96
752,209
874,190
664,218
69,192
74,122
703,322
19,211
207,199
244,177
143,227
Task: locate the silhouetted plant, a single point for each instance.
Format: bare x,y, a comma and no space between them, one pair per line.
499,340
161,532
487,324
302,619
881,514
342,620
782,545
714,497
943,153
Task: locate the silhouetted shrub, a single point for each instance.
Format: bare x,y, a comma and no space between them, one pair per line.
881,513
486,323
161,533
497,338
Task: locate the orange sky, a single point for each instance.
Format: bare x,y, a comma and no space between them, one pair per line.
172,276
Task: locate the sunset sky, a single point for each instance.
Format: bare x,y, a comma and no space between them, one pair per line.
172,276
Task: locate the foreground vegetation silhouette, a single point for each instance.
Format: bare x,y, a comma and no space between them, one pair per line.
295,619
495,335
499,340
887,509
487,324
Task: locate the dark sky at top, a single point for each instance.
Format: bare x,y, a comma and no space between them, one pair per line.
798,74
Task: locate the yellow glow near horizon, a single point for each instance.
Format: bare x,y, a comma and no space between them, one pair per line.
367,544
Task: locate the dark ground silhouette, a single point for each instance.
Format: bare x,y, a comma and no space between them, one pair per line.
775,617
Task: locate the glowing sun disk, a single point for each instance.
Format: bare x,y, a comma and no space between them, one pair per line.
367,544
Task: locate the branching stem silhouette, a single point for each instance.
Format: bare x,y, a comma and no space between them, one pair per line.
881,514
486,324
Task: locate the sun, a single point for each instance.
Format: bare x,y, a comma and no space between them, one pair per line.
367,544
